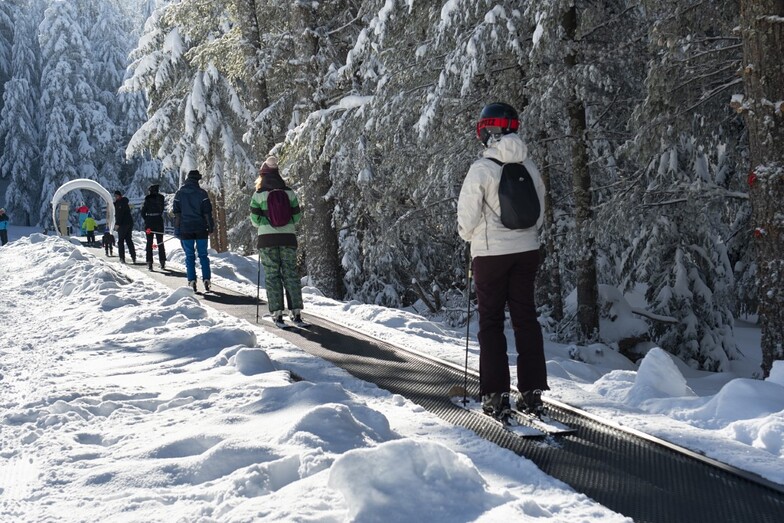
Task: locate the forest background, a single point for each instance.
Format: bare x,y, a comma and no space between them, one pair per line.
658,127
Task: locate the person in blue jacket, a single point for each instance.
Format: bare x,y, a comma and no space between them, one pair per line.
193,223
3,227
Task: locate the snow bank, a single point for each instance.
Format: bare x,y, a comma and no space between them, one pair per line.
437,484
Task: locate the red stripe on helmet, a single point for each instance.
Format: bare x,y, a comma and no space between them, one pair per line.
503,123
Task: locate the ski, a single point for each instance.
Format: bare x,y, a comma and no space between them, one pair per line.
510,423
286,326
544,423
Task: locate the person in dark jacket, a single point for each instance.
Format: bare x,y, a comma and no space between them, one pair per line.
277,244
3,227
124,225
193,223
152,214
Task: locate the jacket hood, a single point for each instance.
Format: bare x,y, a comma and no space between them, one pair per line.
509,149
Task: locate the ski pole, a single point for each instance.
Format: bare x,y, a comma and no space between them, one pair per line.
258,284
468,327
150,231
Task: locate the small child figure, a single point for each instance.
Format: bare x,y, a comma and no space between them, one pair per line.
108,242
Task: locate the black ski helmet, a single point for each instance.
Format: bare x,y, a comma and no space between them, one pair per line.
496,118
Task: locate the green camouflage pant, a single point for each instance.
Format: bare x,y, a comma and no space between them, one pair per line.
280,271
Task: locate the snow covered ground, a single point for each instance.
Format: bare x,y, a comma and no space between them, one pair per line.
123,400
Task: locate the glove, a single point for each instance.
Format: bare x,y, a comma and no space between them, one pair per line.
177,233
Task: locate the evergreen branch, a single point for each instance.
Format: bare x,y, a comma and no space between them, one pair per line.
606,23
654,317
339,29
693,79
666,202
709,95
607,110
709,51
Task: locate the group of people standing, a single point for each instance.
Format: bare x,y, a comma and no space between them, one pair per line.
505,258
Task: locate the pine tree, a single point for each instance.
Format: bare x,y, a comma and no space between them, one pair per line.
63,63
110,44
683,203
20,124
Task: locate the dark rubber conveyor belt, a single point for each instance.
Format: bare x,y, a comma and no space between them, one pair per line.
640,479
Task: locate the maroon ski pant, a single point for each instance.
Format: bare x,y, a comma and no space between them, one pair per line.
503,280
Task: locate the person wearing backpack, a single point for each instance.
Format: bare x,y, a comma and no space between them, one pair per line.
193,223
152,214
274,210
499,211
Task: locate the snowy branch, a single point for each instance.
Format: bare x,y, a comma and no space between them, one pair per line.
654,317
711,94
606,23
693,79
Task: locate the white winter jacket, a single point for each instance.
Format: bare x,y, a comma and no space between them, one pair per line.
479,210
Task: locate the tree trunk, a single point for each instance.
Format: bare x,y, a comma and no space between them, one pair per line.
219,237
552,264
258,94
321,239
587,289
322,258
762,28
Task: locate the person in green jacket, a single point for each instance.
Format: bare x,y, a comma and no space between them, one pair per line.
275,212
89,226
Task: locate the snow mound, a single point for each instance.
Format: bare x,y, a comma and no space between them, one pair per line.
658,377
740,399
764,433
253,361
777,373
299,393
438,484
334,428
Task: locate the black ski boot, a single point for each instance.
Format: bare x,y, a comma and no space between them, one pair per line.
530,402
496,404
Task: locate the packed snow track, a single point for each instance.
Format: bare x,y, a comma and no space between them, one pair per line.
635,475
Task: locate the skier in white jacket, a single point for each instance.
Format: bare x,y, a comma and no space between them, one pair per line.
504,263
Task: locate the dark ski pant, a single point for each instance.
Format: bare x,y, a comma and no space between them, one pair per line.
124,237
3,236
161,248
280,271
90,237
508,280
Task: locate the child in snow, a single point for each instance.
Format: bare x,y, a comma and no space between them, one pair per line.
108,242
89,226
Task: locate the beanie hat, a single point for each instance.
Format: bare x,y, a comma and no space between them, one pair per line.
118,192
154,188
194,175
270,165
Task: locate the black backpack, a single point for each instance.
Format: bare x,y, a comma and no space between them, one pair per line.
519,202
